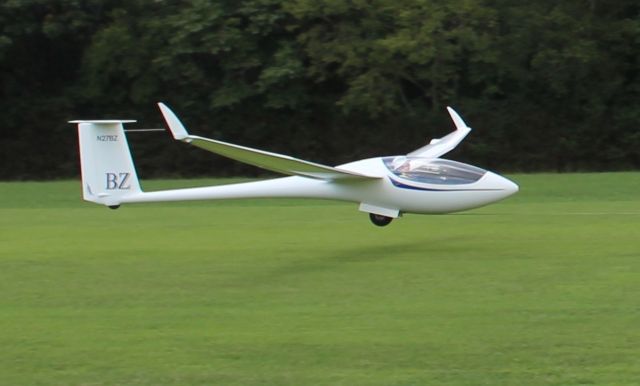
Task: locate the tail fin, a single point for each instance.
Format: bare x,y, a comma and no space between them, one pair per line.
107,169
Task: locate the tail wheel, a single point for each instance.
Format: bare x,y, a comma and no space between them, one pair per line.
379,219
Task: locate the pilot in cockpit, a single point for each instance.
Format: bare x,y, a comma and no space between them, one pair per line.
401,165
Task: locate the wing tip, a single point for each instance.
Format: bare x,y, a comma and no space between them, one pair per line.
457,119
177,128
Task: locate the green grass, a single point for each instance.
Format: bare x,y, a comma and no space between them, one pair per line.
541,289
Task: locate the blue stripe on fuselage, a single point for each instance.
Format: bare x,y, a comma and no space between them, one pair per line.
401,185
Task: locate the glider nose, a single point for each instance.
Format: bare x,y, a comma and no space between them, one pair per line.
507,186
512,187
500,186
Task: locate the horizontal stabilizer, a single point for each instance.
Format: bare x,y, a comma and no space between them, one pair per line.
104,122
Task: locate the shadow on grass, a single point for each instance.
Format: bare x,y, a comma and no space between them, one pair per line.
336,259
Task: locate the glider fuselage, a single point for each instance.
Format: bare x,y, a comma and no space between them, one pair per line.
393,193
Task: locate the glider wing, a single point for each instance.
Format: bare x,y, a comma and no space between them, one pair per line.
440,146
270,161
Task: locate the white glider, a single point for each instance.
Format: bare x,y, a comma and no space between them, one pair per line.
385,187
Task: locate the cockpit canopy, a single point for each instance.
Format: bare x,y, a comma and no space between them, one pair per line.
433,171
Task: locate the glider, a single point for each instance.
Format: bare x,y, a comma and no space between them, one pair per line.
385,187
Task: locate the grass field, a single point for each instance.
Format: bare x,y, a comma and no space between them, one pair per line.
541,289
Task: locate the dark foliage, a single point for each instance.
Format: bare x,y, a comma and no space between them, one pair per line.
548,85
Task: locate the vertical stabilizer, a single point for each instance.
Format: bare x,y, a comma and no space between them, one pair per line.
107,168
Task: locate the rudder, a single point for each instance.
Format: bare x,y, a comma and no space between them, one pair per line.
107,169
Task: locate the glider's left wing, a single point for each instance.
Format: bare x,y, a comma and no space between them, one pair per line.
260,158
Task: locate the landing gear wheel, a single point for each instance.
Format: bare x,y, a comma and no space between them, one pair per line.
379,219
114,206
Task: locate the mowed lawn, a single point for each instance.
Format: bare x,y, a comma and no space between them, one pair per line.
541,289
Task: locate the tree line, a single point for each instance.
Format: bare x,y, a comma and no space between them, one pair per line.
546,85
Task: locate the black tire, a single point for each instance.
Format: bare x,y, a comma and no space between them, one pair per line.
380,220
114,206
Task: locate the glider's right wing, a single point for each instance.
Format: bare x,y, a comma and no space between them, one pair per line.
440,146
260,158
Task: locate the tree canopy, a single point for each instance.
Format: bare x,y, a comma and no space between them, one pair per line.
547,85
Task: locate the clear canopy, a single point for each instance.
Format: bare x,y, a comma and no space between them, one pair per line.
433,171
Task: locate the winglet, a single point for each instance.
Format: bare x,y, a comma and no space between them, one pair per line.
457,120
176,127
